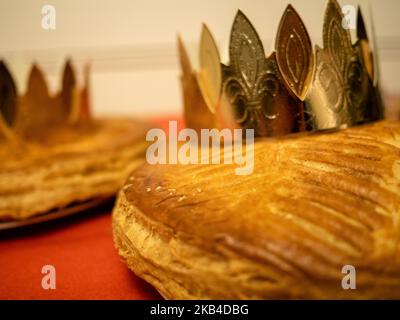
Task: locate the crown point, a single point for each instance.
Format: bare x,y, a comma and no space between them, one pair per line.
36,81
36,72
294,53
334,5
244,40
68,66
180,43
210,76
183,57
205,29
8,95
290,7
4,69
240,15
35,68
361,29
68,86
181,46
206,36
4,72
336,39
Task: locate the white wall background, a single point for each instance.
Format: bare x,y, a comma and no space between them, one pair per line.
131,43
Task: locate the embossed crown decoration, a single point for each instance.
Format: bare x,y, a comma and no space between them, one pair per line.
34,114
293,89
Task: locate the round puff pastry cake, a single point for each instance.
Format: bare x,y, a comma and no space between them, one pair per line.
53,154
90,163
312,206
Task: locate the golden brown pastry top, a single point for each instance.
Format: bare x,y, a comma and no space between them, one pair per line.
313,204
99,135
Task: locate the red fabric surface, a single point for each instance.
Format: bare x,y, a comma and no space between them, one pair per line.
82,251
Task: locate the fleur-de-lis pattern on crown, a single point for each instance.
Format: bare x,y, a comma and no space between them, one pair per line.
254,87
292,89
342,91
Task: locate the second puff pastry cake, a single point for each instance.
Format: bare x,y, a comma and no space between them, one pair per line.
53,153
313,204
91,163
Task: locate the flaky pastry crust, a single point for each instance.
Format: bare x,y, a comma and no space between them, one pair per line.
313,204
68,165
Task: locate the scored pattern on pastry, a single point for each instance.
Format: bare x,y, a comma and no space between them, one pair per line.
312,205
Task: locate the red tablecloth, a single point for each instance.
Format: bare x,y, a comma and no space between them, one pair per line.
82,251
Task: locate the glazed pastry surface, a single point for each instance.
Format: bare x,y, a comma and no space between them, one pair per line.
313,204
68,165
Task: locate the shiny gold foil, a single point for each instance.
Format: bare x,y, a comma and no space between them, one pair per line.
210,75
197,114
293,89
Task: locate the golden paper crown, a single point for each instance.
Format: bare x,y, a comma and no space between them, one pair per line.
34,114
293,89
